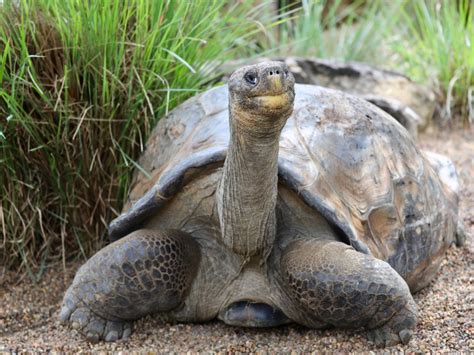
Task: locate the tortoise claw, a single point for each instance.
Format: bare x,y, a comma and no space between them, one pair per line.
405,336
94,327
399,329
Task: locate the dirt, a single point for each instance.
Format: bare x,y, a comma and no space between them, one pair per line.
29,311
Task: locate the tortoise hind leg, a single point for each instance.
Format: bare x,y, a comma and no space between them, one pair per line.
342,287
145,272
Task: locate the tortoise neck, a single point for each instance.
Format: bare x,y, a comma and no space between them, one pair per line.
247,192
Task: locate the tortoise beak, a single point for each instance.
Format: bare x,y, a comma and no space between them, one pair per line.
277,91
276,82
275,101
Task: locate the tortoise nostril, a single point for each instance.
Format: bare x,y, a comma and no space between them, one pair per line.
274,71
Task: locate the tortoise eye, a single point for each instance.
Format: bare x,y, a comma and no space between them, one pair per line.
251,78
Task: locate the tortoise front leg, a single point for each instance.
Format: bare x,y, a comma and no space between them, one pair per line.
145,272
342,287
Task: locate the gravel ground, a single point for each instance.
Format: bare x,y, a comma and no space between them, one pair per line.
28,312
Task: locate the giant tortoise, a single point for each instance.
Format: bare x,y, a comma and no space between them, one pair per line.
266,203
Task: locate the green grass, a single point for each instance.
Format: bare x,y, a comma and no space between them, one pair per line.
435,43
82,84
432,41
335,29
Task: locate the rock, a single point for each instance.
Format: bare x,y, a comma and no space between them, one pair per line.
409,103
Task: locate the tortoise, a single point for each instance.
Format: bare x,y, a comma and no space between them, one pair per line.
266,203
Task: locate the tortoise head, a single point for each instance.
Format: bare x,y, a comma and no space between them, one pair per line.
261,97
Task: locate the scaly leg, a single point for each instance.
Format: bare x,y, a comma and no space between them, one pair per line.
145,272
342,287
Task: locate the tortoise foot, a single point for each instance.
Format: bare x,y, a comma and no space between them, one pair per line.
399,329
91,325
335,285
144,273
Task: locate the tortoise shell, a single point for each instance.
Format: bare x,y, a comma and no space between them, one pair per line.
344,157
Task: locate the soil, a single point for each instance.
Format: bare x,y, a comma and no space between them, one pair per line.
29,311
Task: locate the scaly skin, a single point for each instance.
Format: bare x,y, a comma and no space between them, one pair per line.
143,273
247,192
342,287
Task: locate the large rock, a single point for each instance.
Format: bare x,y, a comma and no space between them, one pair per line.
410,103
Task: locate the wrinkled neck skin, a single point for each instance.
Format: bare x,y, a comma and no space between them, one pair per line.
247,191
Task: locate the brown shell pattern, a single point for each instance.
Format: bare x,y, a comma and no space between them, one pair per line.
345,157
